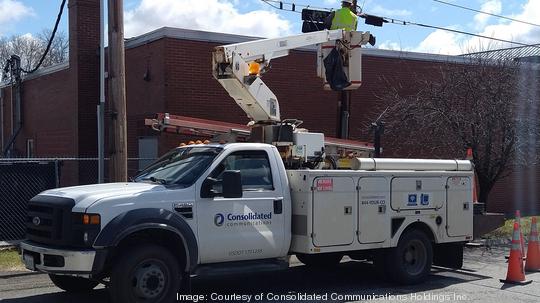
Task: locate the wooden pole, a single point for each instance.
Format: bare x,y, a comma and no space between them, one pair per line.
117,93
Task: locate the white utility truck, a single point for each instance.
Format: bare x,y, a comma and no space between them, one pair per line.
227,207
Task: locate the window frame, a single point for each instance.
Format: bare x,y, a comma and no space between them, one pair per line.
247,152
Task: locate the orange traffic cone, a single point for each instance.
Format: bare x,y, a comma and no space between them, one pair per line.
522,242
533,249
516,272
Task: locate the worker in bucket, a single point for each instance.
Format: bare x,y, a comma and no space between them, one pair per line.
343,18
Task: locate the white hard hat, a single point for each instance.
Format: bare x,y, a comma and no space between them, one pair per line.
347,1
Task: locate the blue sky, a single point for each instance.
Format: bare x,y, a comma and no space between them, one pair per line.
253,17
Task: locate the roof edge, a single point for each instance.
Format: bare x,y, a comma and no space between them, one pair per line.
224,38
41,72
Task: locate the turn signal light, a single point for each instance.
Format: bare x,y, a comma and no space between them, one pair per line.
91,219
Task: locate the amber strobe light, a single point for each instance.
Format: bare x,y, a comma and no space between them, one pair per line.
254,68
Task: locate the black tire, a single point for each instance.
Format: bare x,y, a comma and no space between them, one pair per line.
73,284
410,262
320,260
148,274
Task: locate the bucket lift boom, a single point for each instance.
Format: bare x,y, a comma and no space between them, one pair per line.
238,67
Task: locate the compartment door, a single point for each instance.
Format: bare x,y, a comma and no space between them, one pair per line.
459,208
334,209
373,208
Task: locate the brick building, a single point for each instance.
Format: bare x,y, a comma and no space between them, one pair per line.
168,70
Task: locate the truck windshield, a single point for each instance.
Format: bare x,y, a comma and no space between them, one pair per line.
181,166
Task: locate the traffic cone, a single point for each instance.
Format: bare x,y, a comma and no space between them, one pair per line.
516,272
522,242
533,249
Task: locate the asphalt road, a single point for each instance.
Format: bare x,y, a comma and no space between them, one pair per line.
351,281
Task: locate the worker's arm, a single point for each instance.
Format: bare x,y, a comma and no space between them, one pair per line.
328,20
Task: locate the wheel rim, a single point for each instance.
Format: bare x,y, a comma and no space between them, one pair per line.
150,279
414,257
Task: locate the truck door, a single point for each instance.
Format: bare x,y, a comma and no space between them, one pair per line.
334,209
250,227
459,208
373,201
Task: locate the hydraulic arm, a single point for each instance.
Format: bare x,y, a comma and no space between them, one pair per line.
238,67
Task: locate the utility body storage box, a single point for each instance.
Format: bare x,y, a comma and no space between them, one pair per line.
344,210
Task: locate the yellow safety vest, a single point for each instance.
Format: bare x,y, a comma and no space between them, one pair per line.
344,19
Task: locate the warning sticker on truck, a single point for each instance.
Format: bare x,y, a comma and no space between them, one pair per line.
325,184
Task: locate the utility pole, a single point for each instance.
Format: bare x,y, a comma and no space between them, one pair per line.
117,92
344,105
101,105
377,128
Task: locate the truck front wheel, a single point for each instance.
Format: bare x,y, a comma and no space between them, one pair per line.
410,262
73,284
149,273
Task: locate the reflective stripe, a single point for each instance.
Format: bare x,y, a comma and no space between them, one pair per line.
344,19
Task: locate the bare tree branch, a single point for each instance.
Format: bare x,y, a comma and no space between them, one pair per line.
489,106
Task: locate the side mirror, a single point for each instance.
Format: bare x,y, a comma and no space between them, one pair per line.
207,188
232,184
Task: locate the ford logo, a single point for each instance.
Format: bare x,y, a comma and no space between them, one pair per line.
36,221
219,219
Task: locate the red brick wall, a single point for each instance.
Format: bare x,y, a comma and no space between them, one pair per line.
518,191
145,96
84,63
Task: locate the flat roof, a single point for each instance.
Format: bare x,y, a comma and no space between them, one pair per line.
222,38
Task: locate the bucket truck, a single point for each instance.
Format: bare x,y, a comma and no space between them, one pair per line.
228,207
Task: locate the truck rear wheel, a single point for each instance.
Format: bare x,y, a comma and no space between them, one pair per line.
146,274
410,262
320,260
73,284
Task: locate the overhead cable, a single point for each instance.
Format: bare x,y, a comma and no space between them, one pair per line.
486,13
49,43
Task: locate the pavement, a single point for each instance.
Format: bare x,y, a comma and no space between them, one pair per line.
351,281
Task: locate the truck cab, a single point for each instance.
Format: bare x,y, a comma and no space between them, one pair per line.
196,205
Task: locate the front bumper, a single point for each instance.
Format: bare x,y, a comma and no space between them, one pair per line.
38,257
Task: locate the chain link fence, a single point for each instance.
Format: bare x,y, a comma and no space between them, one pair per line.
23,178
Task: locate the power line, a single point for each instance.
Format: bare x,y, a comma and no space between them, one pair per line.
280,5
49,43
486,13
402,22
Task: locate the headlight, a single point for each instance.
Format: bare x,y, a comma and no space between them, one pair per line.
85,228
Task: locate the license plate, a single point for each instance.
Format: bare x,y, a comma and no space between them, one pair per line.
29,261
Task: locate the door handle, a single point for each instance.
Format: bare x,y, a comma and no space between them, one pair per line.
278,206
